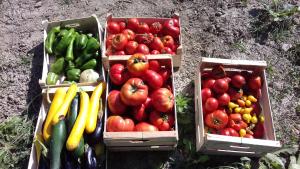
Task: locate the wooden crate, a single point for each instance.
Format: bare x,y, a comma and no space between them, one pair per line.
87,24
176,58
47,94
219,144
125,141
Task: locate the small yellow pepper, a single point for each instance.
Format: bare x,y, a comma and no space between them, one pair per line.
254,119
252,99
247,117
232,105
248,103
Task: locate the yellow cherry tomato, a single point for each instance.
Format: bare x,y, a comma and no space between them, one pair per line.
242,111
252,98
242,132
248,110
232,105
261,118
254,119
237,110
248,103
247,118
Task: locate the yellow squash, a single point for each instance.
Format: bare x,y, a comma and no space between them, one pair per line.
79,126
94,108
63,109
58,100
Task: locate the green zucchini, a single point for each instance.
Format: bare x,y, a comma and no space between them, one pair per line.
57,142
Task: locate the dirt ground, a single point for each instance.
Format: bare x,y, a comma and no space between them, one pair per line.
210,28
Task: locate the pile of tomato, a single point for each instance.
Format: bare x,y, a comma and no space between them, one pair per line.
134,36
140,98
231,103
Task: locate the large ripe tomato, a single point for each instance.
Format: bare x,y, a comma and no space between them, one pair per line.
208,83
163,121
168,41
162,100
169,28
113,27
224,99
236,122
176,22
235,94
206,93
254,82
119,41
156,44
218,72
153,79
142,48
154,65
109,39
122,25
133,24
115,105
229,132
217,119
129,34
220,86
120,52
131,47
238,81
134,92
154,52
143,126
145,38
165,73
119,124
138,64
118,74
166,50
211,104
140,112
143,28
155,27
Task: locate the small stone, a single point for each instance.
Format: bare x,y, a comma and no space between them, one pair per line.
38,4
286,47
96,8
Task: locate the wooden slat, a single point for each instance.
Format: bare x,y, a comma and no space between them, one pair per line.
144,148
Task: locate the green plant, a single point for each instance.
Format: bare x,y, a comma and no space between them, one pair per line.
239,45
15,142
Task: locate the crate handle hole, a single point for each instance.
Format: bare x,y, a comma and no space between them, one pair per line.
154,147
232,146
73,25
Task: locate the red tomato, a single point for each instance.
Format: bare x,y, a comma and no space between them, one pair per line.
248,136
109,40
143,126
121,52
220,86
162,100
208,83
115,105
129,34
254,82
164,122
134,92
211,104
113,27
118,74
176,22
166,50
259,130
217,119
153,79
122,25
169,28
119,124
218,72
157,44
133,24
224,99
236,122
143,28
154,65
228,79
238,81
139,112
138,64
142,48
145,38
168,41
165,73
235,94
119,41
210,130
155,27
229,132
131,47
206,93
154,52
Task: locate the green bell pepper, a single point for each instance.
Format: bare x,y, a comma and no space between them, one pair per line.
70,65
70,55
50,39
62,33
91,47
91,64
58,66
81,41
73,74
51,78
64,42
